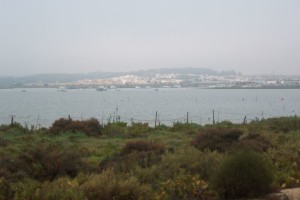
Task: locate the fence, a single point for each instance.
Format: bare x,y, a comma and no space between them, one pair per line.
214,116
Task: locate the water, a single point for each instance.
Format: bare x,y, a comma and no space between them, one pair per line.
43,106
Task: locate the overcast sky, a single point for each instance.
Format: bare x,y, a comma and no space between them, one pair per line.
50,36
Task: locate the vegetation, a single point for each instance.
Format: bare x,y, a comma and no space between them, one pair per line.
86,160
243,174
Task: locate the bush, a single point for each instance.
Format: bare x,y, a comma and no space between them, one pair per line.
185,187
46,161
115,129
187,127
5,189
190,160
138,153
90,127
60,125
27,189
11,168
143,146
62,188
3,142
217,139
107,186
138,129
282,124
254,142
244,174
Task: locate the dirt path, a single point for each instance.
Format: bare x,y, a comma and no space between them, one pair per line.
293,194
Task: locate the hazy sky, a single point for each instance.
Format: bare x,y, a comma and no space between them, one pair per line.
47,36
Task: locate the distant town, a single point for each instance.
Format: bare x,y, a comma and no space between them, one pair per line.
163,78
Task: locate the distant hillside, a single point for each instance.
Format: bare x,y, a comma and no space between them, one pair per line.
60,77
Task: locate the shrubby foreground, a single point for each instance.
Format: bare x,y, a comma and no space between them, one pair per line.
85,160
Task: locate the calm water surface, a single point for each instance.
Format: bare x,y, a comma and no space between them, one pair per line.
43,106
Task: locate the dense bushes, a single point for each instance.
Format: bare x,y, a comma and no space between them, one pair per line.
139,153
143,145
244,174
186,127
46,161
186,161
254,142
3,142
107,186
228,139
115,129
61,188
190,160
138,129
185,187
90,127
284,124
219,139
280,124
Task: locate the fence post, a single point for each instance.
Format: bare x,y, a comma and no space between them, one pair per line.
187,117
12,119
155,119
213,116
245,119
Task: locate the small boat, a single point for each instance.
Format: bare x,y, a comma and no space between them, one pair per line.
101,88
61,89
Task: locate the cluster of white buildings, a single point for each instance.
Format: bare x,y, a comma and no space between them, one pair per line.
133,80
186,80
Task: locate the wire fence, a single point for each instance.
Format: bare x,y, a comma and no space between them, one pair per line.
158,118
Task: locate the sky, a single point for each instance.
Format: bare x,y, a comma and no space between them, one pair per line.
77,36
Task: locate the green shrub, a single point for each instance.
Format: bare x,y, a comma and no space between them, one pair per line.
115,129
27,189
282,124
187,127
223,124
185,187
107,186
138,129
244,174
217,139
15,128
191,160
162,127
62,188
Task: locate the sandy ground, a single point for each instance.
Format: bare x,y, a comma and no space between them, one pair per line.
293,194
